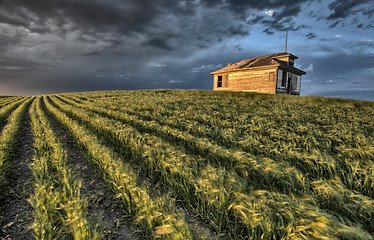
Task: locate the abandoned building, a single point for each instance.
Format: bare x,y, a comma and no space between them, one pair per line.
274,73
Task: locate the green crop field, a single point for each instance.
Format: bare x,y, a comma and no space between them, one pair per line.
173,164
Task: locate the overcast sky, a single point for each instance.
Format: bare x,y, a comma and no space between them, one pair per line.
83,45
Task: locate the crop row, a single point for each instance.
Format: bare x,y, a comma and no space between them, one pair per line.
326,126
219,195
155,217
314,166
268,124
6,110
8,100
260,169
253,129
200,141
9,138
59,208
246,118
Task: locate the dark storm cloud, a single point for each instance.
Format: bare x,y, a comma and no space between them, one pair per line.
369,12
311,35
61,17
238,30
281,19
336,23
139,16
5,41
86,14
268,31
363,26
241,7
281,24
255,20
344,8
18,66
128,18
81,45
161,43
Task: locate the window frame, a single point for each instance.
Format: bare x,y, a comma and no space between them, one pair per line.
271,76
284,79
295,83
219,81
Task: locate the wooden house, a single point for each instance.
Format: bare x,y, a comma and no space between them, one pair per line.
274,73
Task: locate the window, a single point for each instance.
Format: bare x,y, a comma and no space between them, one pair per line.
271,77
279,78
284,79
219,81
291,62
289,75
294,82
289,83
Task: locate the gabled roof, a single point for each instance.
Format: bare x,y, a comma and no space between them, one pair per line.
267,60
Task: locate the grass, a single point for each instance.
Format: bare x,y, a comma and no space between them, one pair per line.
242,165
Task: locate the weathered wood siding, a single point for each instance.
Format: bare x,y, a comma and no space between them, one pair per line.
295,82
256,80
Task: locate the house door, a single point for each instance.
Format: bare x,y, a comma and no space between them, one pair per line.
289,83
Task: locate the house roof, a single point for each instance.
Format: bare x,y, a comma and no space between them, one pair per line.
267,60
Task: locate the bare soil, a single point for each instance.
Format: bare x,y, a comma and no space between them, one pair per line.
16,216
102,207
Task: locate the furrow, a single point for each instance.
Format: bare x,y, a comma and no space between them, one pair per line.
102,208
15,153
59,208
153,216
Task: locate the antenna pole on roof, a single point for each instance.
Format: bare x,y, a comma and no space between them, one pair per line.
286,41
